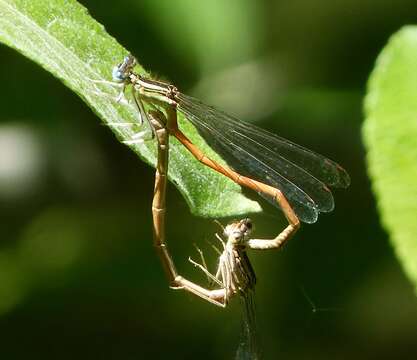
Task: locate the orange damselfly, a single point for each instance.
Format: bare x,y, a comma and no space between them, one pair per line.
288,175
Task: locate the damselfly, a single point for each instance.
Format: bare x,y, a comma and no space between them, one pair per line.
288,175
236,276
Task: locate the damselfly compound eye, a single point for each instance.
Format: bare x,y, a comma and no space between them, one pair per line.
117,75
248,223
121,72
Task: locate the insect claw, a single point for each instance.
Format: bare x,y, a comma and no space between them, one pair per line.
176,287
193,262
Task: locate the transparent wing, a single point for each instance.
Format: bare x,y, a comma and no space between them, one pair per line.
301,174
249,347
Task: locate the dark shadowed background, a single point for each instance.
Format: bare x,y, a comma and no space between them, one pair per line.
79,278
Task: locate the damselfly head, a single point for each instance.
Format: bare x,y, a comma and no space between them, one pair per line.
238,232
122,71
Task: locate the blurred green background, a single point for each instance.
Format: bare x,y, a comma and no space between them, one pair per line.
79,277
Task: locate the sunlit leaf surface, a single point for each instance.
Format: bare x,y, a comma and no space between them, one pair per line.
62,37
390,134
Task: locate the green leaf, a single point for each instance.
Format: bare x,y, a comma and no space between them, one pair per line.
390,134
61,37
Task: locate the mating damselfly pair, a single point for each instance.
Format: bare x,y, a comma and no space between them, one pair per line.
289,176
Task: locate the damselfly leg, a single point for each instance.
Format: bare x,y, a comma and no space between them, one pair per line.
234,273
